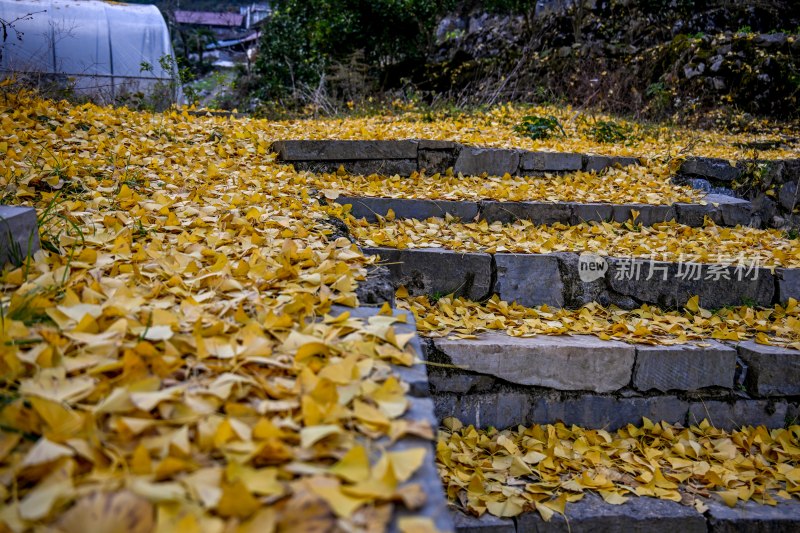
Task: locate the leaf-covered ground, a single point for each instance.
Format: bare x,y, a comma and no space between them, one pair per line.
167,359
542,468
647,325
668,241
633,184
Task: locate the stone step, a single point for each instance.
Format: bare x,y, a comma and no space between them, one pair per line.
500,381
405,157
567,279
19,234
723,210
643,515
421,409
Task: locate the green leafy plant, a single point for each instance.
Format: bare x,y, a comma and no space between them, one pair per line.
608,131
537,127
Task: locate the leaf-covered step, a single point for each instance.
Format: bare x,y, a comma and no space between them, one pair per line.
722,210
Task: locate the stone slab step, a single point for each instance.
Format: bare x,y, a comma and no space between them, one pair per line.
571,280
19,234
723,210
643,515
405,157
498,380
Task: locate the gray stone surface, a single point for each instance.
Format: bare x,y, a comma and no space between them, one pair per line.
597,163
385,167
608,412
459,382
434,270
684,280
724,210
551,161
336,150
570,363
496,409
594,212
772,370
487,523
536,212
493,161
684,367
369,208
753,517
431,144
19,234
529,279
433,161
376,288
648,214
737,413
788,283
637,515
710,167
789,195
427,476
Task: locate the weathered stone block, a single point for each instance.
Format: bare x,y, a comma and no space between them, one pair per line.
459,382
595,212
754,517
710,167
772,370
384,167
609,412
370,208
672,284
485,524
789,196
788,283
579,362
434,270
433,161
492,161
536,212
499,409
598,163
336,150
684,367
722,209
738,413
19,234
551,161
638,515
529,279
648,214
432,144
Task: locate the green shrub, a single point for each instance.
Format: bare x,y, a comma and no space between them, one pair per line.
608,131
539,127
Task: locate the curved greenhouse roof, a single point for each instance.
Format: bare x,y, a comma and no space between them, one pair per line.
102,49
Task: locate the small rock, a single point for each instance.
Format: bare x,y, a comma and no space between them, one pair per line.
788,196
691,71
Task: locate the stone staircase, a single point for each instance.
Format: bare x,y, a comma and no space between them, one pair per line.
500,381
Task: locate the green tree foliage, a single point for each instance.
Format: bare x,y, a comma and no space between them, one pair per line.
304,37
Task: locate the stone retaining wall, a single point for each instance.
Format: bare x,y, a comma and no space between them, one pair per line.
404,157
498,380
557,279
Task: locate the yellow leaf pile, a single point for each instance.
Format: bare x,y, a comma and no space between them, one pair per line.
647,325
633,184
495,128
167,359
668,241
542,468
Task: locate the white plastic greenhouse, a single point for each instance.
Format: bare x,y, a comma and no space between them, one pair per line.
103,50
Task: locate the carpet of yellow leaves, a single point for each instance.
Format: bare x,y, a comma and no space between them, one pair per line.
495,128
668,241
633,184
647,325
166,359
542,468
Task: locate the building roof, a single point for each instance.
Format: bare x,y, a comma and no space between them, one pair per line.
208,18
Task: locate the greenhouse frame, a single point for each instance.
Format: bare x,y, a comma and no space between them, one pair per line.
105,51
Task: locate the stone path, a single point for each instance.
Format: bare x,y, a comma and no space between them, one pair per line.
498,380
